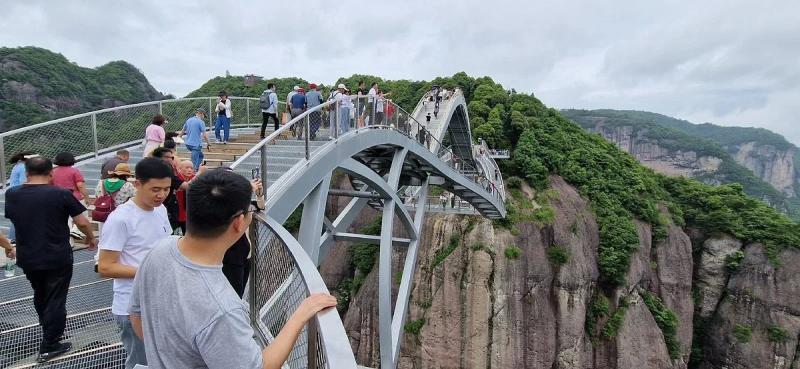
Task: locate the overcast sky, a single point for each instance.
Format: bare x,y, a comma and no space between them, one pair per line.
727,62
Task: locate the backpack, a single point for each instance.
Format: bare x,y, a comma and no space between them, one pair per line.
263,101
103,206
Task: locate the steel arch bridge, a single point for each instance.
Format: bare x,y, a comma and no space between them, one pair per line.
392,160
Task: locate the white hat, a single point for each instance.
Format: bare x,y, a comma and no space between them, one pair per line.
341,85
296,88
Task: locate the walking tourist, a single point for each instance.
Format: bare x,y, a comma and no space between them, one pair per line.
269,107
154,135
195,130
235,263
205,324
171,202
298,104
66,176
39,211
130,232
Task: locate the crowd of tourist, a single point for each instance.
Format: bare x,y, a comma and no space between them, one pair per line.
170,230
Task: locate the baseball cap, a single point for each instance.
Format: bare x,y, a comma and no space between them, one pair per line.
341,85
296,88
200,110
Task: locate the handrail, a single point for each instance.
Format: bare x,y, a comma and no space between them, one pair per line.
335,344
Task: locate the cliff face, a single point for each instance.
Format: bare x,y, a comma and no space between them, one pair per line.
663,160
774,166
481,308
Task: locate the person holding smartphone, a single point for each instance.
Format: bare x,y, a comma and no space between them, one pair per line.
224,115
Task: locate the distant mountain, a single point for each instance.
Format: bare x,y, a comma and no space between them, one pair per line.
37,85
761,160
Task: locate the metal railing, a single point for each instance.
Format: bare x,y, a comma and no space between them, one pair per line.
92,134
343,116
281,276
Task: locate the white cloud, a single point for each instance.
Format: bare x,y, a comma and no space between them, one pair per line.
729,62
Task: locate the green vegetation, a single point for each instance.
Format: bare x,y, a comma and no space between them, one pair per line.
443,253
365,254
614,323
598,309
777,334
558,255
513,252
666,320
734,260
414,326
743,333
66,87
544,215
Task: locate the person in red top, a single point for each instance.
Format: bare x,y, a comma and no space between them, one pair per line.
66,176
185,171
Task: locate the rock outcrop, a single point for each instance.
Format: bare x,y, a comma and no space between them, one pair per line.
479,308
774,166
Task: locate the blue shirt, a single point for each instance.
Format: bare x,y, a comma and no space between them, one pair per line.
313,98
194,129
298,101
18,176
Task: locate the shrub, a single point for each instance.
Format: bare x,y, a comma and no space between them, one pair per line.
666,320
513,252
513,182
777,334
558,255
414,326
614,323
443,253
544,215
743,333
734,260
598,309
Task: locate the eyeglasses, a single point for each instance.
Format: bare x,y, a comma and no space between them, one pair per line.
252,208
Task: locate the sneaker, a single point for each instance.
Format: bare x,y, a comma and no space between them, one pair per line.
53,351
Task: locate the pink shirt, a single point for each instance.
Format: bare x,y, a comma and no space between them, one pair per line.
155,133
68,177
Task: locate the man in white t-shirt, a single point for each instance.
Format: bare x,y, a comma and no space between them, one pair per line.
128,235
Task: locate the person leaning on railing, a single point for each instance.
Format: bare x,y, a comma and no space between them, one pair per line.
182,305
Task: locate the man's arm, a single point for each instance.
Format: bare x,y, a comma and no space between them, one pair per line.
136,322
278,351
85,226
109,266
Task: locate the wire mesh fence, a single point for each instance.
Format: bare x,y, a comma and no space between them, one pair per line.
91,134
276,289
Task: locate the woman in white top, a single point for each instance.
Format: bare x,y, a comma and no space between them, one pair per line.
224,115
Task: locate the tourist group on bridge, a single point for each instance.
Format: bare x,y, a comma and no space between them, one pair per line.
190,285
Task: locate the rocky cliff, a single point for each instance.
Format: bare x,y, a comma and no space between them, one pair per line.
689,299
773,165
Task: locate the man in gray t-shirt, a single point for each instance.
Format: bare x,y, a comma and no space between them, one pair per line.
182,305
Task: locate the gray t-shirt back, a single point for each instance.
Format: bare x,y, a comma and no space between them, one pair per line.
191,316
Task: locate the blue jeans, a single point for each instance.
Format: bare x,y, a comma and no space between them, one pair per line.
12,233
197,155
224,124
134,347
344,120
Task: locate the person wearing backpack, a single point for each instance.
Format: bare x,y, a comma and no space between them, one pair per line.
268,102
116,188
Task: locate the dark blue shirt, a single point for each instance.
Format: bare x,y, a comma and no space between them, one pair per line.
39,214
298,101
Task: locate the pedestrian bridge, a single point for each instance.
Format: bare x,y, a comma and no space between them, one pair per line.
391,161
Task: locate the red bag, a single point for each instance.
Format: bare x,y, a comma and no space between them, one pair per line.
103,206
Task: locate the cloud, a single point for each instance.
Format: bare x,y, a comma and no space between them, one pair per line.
729,62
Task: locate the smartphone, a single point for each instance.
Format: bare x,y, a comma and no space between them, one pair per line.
256,173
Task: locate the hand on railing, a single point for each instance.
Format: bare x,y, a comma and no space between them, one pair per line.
312,305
